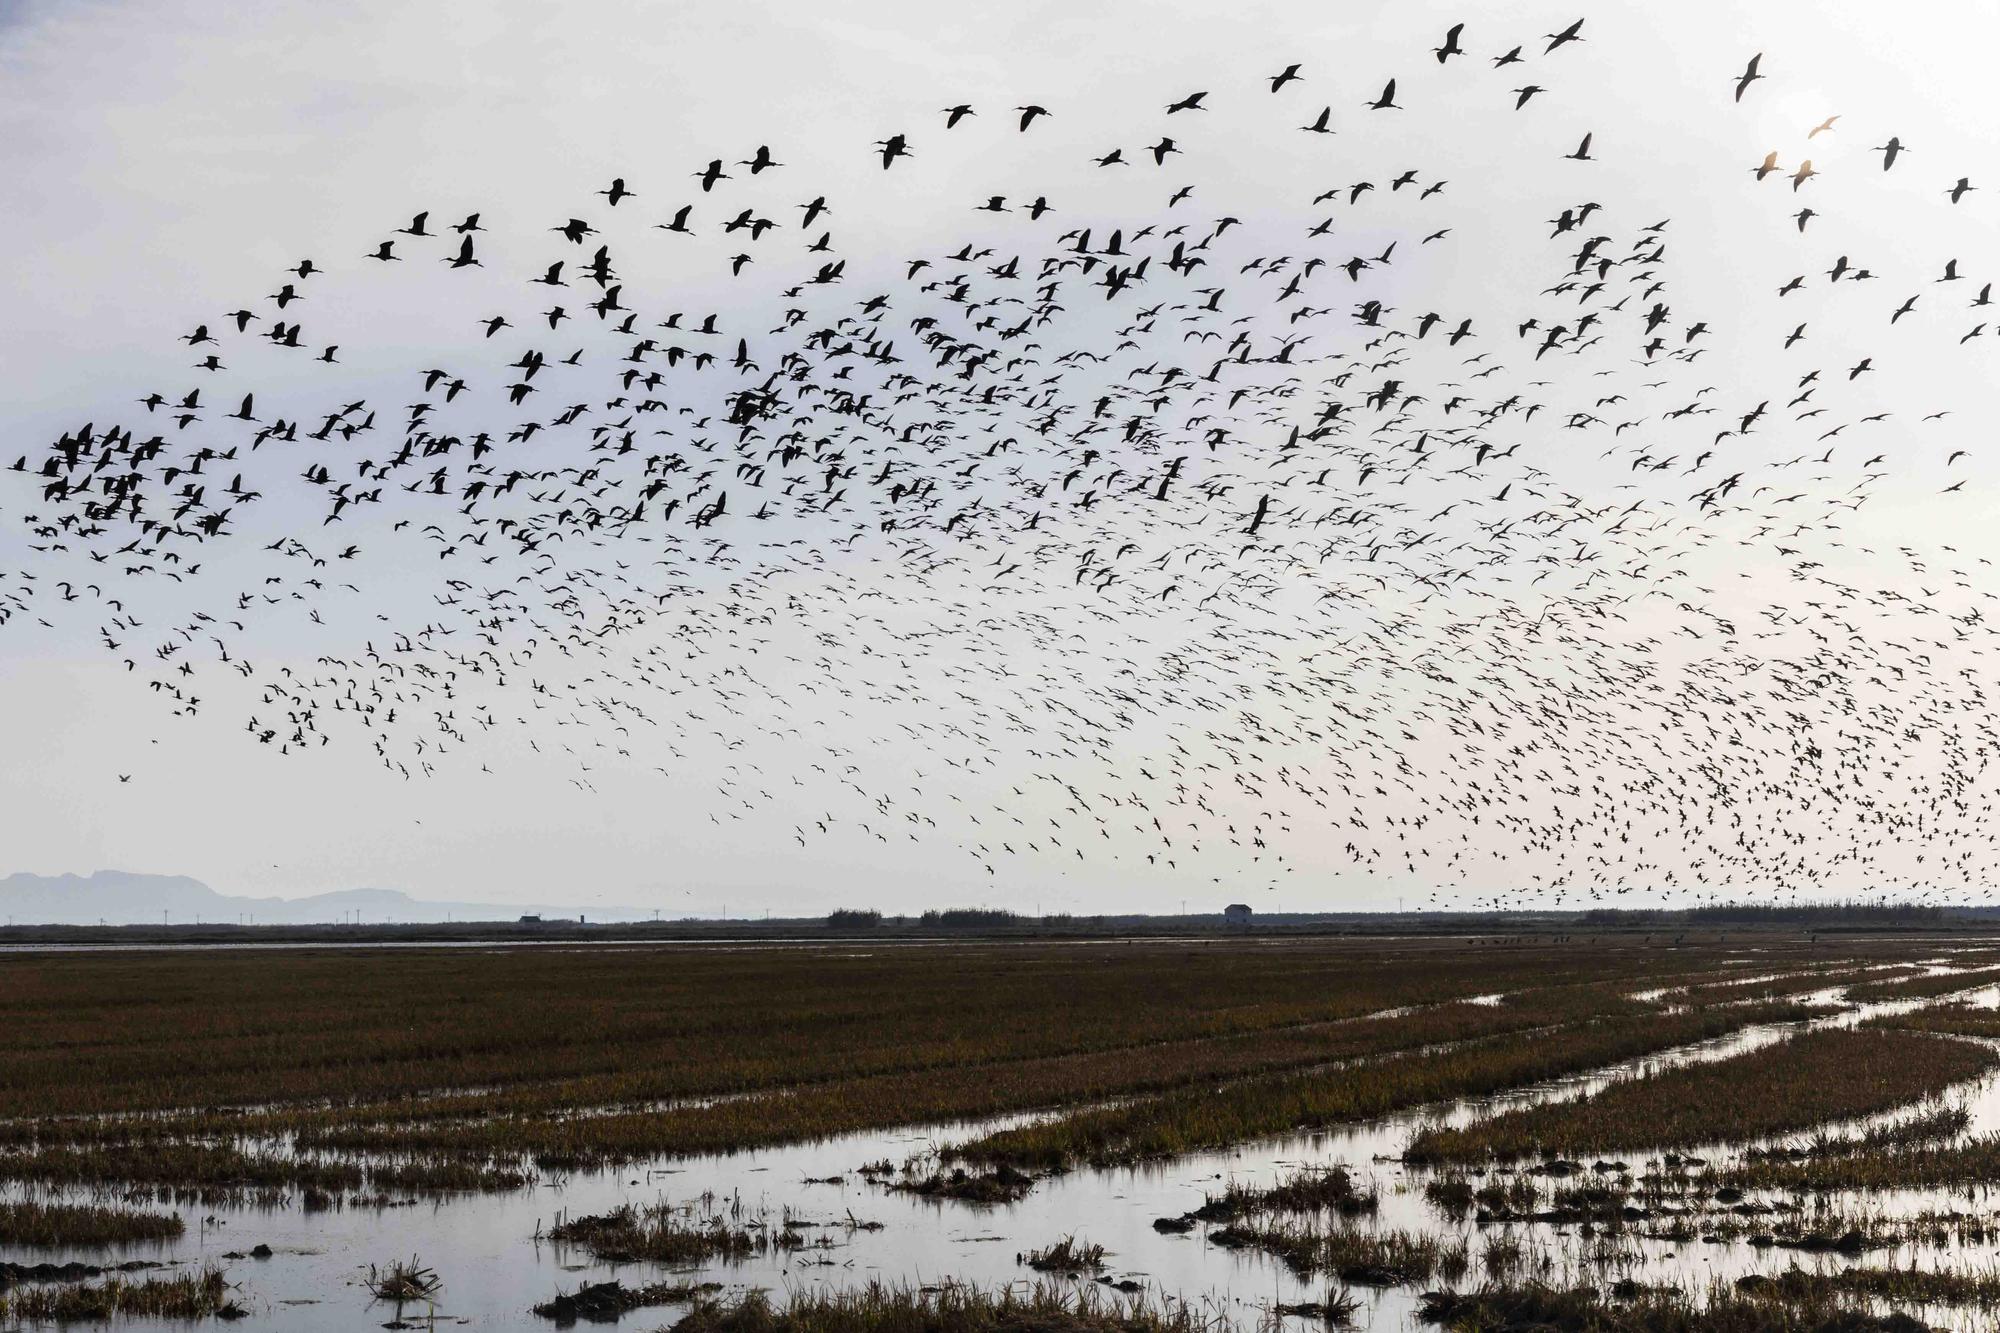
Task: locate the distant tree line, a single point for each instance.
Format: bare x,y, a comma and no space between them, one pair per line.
971,916
951,918
1726,914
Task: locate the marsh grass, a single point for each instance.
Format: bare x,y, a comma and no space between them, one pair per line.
665,1235
1916,1286
50,1225
1311,1189
1338,1310
1936,1125
1308,1190
1067,1256
1537,1307
1918,1166
1176,1123
215,1174
1002,1184
186,1296
1949,1019
1456,1194
1359,1257
250,1079
604,1302
1807,1080
949,1308
1923,988
405,1055
400,1027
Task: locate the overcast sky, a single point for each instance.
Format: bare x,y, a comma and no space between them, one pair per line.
167,160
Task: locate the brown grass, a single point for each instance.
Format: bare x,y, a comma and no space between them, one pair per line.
188,1296
951,1308
1795,1084
665,1235
51,1225
403,1072
1183,1122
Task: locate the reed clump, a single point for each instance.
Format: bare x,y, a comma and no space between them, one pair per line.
1309,1189
403,1281
1002,1184
1068,1256
662,1235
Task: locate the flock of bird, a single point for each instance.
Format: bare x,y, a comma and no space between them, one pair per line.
1076,538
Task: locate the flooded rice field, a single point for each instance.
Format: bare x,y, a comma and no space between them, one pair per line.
1344,1223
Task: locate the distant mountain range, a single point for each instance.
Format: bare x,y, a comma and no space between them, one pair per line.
118,898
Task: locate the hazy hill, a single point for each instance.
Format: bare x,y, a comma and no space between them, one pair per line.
119,897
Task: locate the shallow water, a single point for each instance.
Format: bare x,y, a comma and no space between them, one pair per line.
494,1269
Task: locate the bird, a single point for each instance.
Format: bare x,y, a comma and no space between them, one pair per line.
1749,76
893,147
1138,531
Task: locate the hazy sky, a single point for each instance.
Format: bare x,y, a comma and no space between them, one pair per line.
168,159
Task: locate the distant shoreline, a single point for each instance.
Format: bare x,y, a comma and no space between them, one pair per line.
913,931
